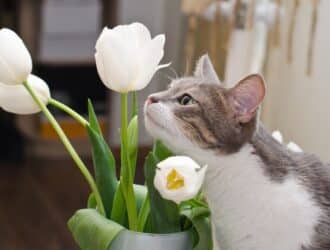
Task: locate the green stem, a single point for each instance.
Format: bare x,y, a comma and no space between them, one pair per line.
69,111
134,104
80,164
127,182
144,214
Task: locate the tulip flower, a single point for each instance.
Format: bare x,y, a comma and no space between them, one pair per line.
294,147
277,135
16,99
15,59
127,57
179,178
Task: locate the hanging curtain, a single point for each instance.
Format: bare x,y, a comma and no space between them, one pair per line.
297,73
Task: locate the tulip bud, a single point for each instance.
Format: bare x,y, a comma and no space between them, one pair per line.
15,59
294,147
16,99
179,178
277,135
127,58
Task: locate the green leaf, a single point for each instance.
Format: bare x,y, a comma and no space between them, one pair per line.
105,169
119,213
93,122
164,214
202,226
91,203
92,231
144,214
141,193
160,151
132,133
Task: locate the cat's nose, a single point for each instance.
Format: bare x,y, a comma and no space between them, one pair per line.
151,99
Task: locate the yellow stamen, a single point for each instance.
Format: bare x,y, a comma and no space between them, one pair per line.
174,180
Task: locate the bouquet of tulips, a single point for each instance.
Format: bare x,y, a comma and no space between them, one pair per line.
170,201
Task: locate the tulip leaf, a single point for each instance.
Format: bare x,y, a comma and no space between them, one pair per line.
91,203
104,162
141,193
132,132
164,214
143,214
93,122
160,151
119,213
93,231
201,223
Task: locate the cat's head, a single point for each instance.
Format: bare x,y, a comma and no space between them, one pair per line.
199,111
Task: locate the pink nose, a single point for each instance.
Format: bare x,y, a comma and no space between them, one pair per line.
150,100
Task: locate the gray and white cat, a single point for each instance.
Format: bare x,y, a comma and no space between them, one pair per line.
262,196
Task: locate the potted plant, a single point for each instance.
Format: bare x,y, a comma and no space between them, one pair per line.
168,212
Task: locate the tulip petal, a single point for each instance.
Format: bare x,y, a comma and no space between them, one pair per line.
277,135
152,54
136,34
101,38
15,59
179,162
192,174
16,99
142,34
100,67
119,65
294,147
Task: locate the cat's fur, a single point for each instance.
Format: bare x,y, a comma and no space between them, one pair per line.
262,196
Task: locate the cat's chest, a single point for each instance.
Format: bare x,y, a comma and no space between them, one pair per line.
251,212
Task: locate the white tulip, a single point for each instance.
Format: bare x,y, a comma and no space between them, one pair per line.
294,147
127,57
179,178
15,59
277,135
16,99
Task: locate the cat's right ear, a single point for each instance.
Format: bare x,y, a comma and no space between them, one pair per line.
206,71
246,97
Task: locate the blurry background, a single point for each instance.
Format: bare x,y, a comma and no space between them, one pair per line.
285,40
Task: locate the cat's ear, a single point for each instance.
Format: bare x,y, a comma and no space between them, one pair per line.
206,71
246,97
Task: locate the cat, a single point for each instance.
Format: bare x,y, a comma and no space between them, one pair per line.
262,196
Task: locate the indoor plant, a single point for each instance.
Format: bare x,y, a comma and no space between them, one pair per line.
163,214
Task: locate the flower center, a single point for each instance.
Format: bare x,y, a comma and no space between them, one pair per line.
174,180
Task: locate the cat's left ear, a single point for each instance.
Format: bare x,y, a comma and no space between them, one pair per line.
206,71
246,97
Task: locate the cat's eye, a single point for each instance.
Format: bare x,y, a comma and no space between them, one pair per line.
186,100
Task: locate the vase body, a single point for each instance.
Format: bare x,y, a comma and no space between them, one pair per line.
128,240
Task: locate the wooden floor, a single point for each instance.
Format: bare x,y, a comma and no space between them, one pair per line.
36,200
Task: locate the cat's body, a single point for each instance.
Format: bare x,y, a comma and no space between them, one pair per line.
262,196
266,197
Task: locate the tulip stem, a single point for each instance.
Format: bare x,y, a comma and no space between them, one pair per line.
134,104
69,111
127,183
80,164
